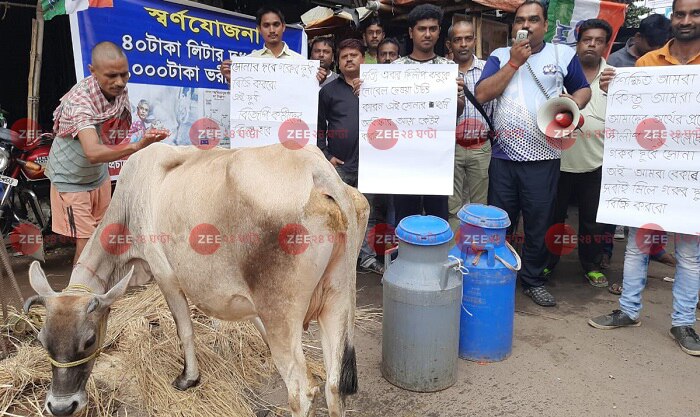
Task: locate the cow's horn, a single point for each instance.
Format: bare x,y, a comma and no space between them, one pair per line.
34,299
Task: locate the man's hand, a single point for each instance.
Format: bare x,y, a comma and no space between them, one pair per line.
225,69
460,87
520,52
581,96
356,85
461,99
605,77
321,75
152,136
336,162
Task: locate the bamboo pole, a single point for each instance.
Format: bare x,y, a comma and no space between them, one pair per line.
478,20
35,60
11,4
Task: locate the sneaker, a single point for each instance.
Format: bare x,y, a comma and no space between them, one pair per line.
687,339
541,296
614,320
619,233
371,265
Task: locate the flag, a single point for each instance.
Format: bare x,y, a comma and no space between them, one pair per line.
565,15
53,8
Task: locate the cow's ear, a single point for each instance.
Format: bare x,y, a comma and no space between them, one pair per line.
117,291
37,279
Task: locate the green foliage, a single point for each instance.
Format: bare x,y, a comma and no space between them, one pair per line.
633,12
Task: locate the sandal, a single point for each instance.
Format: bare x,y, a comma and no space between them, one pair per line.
597,279
615,288
541,296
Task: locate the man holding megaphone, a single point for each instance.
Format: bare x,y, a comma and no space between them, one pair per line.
524,168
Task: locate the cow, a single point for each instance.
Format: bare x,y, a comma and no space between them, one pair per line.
261,192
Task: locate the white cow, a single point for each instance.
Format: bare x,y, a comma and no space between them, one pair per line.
275,280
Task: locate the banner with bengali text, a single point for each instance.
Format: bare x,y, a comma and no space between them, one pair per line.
651,165
174,50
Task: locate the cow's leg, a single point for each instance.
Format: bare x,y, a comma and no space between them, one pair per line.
285,344
181,313
261,328
338,352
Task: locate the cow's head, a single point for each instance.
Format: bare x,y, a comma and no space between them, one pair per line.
72,335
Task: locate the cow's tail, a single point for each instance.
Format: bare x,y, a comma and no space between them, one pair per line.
355,209
348,371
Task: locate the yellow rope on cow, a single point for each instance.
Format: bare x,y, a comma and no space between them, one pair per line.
98,351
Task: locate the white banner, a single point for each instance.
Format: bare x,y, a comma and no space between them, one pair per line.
273,101
651,167
407,129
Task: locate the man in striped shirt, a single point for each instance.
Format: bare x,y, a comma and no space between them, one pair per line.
473,150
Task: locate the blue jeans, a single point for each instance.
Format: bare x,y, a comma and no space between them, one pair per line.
685,287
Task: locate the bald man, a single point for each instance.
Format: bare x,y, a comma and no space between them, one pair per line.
88,124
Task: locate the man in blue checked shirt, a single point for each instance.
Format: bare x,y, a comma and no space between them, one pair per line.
473,149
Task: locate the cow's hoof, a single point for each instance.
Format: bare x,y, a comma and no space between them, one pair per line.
182,383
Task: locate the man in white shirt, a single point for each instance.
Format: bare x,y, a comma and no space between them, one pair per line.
270,24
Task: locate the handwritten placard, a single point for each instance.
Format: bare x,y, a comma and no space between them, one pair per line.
651,166
407,129
273,101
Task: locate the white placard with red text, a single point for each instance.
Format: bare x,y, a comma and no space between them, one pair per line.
651,167
407,129
273,101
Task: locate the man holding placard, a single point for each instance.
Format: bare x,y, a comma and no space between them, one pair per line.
424,30
683,49
524,167
270,24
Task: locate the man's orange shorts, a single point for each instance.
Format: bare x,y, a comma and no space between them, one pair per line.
78,214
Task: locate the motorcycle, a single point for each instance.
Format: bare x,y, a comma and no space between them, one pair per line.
25,207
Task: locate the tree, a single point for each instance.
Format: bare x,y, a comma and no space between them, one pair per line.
633,12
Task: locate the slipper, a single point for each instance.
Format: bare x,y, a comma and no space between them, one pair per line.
597,279
615,288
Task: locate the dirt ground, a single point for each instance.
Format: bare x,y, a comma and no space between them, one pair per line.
560,366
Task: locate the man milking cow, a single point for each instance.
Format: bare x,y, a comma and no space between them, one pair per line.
90,116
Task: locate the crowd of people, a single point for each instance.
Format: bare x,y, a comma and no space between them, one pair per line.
517,170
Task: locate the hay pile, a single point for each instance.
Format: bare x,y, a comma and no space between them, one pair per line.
143,356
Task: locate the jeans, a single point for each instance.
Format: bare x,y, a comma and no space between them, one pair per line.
685,287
